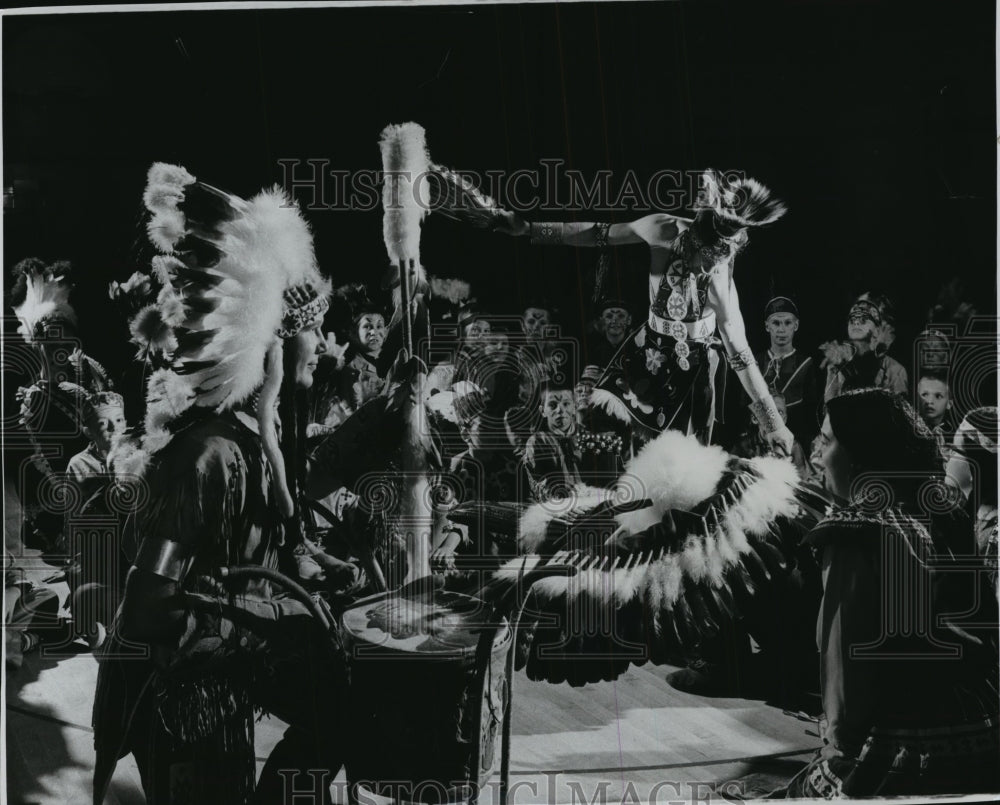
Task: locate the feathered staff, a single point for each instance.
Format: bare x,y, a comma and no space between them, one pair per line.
405,203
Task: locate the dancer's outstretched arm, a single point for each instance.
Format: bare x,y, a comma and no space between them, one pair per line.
658,229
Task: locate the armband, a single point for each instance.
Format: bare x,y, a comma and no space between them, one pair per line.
766,414
546,233
741,360
602,235
164,557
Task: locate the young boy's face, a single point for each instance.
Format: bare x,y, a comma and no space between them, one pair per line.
559,412
781,327
104,427
934,398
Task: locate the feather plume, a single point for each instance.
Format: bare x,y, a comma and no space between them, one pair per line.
743,201
151,333
127,458
405,198
43,293
455,197
171,306
607,402
93,376
454,290
168,395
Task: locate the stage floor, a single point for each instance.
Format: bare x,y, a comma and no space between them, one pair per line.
633,740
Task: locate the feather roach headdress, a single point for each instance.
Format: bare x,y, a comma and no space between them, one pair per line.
94,390
40,297
738,204
236,276
724,211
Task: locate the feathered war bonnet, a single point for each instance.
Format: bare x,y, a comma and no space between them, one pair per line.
40,298
237,276
725,210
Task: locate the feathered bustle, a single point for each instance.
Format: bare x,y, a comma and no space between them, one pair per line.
673,470
535,521
674,568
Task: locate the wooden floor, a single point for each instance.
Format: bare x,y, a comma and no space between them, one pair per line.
632,740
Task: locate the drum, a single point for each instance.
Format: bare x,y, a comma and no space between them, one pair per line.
427,694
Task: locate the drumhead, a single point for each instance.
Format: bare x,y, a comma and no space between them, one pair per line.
434,624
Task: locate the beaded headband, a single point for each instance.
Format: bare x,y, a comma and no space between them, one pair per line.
305,307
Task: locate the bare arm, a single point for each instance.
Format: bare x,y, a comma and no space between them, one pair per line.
725,301
657,230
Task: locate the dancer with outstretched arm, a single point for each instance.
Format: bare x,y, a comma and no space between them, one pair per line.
663,376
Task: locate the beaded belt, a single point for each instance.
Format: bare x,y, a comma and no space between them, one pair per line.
682,332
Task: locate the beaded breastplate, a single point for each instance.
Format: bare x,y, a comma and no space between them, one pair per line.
683,293
680,310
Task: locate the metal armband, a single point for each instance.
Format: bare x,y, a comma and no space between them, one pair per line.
766,414
741,360
546,233
165,558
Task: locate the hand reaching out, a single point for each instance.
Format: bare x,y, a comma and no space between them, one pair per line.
510,223
780,442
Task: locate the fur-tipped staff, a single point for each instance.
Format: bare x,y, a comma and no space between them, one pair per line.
405,202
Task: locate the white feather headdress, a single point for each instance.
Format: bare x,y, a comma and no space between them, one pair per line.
225,266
